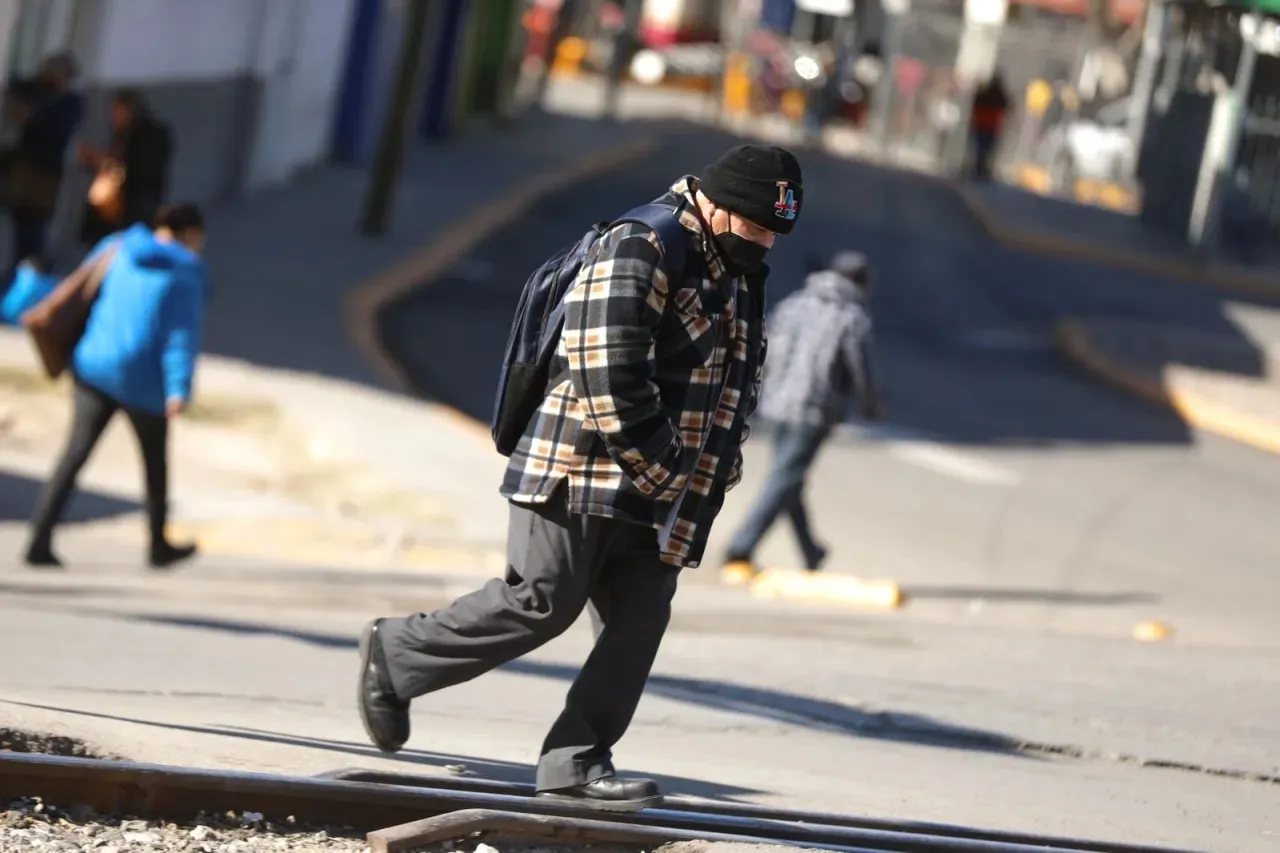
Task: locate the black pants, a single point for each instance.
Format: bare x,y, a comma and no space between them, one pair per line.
794,448
30,232
984,151
92,412
557,563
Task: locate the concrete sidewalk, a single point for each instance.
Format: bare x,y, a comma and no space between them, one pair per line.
1023,220
1226,385
293,325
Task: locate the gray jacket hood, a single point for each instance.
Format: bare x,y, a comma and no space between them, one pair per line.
831,286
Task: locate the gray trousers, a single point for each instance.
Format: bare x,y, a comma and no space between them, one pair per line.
557,563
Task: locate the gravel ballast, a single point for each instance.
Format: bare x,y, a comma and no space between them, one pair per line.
31,824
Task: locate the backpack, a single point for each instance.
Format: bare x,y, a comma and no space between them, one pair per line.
535,332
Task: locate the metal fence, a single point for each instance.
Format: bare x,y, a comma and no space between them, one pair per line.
920,114
1038,60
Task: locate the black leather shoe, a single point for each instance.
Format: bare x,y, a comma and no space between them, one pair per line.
163,554
385,716
610,794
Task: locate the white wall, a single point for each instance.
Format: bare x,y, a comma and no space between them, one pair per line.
9,10
300,59
142,41
297,49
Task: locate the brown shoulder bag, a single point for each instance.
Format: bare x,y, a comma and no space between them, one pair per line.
57,322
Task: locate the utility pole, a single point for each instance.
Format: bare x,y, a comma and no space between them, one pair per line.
390,157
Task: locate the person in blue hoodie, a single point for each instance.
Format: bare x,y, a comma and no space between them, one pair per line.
137,355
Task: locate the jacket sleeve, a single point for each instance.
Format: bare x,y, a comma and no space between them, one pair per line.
611,317
750,402
184,319
857,348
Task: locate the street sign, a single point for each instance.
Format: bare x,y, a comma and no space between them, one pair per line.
835,8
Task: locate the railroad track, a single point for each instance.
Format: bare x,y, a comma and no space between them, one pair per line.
403,812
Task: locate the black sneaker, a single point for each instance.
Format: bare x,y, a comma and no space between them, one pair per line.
42,557
814,561
610,794
163,555
385,715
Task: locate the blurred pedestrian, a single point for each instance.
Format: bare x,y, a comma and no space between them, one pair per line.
990,105
820,359
137,355
617,469
48,112
131,175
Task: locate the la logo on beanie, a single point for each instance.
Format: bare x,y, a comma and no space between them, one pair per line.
785,206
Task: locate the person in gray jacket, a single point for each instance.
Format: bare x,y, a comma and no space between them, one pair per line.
820,359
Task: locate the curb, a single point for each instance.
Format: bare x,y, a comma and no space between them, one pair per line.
1232,281
372,296
1072,342
796,585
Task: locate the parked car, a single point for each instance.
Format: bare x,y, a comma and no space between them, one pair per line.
1099,148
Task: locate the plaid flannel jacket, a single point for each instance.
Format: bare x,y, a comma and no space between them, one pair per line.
661,377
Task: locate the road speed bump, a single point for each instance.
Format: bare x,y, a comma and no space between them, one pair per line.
1152,631
797,585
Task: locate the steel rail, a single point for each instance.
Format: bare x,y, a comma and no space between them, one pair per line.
157,791
755,812
562,830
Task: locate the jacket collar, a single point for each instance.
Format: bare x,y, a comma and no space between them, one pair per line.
681,195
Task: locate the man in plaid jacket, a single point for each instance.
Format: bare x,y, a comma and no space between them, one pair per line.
618,477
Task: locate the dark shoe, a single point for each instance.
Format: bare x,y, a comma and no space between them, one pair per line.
814,561
163,555
42,557
610,794
385,715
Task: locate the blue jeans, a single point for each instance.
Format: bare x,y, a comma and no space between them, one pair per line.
794,448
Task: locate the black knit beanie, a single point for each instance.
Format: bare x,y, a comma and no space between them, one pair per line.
759,183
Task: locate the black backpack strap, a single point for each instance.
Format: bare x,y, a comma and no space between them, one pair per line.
671,234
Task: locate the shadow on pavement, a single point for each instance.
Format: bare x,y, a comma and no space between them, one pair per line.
764,703
965,325
293,257
494,770
18,495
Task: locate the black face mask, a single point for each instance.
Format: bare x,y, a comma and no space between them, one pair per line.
743,256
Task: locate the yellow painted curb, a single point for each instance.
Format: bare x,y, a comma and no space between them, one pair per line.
436,258
738,573
1152,632
1073,342
1233,281
798,585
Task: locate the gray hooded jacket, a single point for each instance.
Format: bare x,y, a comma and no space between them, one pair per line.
819,354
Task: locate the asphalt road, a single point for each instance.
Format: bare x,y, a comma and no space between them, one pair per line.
1006,486
251,667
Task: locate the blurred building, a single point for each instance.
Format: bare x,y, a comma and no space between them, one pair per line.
256,90
248,86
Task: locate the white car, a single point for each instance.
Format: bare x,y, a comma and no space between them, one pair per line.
1099,149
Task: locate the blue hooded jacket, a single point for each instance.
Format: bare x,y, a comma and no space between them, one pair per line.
143,334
